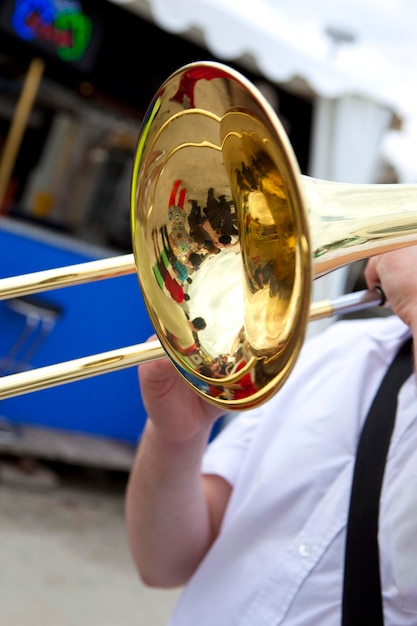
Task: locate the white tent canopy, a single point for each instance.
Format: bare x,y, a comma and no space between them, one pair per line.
365,49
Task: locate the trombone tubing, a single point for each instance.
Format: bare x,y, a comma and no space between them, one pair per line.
114,360
79,369
46,280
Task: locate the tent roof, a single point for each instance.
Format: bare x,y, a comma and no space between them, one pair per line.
327,47
367,47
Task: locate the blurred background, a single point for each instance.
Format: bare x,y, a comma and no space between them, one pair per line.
76,78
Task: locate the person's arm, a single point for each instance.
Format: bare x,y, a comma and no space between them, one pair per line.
211,232
173,513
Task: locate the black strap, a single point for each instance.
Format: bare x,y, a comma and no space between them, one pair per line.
362,601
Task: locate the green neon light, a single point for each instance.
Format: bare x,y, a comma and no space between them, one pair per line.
81,28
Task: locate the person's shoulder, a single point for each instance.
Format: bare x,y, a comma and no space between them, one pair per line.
357,337
377,328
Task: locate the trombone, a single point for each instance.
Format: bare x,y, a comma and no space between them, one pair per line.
227,231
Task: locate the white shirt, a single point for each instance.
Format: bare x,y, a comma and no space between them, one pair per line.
279,557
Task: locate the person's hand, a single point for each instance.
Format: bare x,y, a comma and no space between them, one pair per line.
175,409
396,273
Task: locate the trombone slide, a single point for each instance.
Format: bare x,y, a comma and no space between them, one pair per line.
78,369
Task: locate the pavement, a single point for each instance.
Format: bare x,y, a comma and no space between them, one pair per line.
63,549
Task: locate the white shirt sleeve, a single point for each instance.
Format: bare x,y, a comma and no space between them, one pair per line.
226,453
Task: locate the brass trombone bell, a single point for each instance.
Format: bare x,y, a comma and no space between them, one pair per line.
228,236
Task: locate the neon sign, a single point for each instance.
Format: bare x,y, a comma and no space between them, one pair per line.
57,23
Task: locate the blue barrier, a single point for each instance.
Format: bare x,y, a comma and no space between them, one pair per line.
92,318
